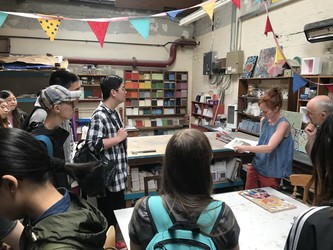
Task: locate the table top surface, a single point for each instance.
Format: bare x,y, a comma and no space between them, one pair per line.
157,143
260,229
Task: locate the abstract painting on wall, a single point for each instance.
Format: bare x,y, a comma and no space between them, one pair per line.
265,66
249,66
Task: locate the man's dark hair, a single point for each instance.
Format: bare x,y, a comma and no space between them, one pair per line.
63,77
108,83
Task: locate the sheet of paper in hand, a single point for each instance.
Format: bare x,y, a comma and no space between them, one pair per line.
239,141
269,202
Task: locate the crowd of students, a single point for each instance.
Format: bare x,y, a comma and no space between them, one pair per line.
34,184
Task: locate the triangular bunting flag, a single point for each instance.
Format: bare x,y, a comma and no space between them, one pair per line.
50,26
237,3
298,82
99,29
330,88
268,27
278,56
173,13
209,8
142,26
3,17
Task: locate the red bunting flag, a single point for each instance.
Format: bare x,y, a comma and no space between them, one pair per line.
99,29
237,3
268,27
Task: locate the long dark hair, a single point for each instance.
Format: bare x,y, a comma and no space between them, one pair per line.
186,169
3,122
18,116
23,157
322,160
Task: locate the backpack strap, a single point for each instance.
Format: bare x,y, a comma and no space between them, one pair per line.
211,213
46,140
159,214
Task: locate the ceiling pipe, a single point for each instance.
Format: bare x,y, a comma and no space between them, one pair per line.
143,63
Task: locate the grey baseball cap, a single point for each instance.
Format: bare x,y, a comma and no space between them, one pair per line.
56,94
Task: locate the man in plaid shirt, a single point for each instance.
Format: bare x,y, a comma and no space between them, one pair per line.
109,138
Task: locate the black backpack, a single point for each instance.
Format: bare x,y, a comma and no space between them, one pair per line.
29,127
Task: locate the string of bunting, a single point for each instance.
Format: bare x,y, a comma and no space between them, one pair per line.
280,59
50,24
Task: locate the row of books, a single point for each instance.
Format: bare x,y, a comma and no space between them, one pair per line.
156,122
171,76
155,102
156,94
250,126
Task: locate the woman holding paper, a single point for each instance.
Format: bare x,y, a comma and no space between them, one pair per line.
274,152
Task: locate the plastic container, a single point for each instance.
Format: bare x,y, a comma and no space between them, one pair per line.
312,92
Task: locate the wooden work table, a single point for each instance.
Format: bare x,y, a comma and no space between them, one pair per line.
138,145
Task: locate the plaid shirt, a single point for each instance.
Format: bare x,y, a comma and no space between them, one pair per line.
100,128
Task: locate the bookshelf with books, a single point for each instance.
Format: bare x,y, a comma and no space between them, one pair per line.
156,100
90,87
90,97
203,112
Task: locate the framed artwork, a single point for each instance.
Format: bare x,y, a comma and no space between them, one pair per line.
249,66
265,66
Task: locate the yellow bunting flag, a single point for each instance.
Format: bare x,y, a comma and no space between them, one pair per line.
50,26
209,8
278,56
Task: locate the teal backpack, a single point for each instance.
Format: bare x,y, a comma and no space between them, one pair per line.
181,235
46,140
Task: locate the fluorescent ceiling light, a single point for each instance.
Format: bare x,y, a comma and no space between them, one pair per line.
200,13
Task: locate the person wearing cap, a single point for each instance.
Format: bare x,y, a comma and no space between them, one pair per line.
107,135
59,105
71,82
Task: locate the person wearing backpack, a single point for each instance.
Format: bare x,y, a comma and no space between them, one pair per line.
59,104
106,135
185,194
69,81
53,218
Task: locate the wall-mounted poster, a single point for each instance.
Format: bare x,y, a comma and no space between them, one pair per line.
249,66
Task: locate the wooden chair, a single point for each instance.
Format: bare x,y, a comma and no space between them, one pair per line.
147,179
301,180
110,242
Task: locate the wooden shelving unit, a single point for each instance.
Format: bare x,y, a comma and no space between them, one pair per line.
203,113
320,89
156,100
250,90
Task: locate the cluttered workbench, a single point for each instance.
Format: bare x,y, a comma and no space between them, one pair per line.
146,150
